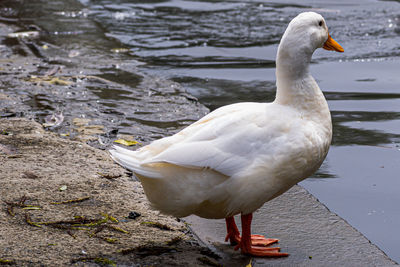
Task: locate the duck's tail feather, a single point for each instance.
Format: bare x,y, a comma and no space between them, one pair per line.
128,159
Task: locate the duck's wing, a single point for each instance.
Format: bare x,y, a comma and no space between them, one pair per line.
220,141
225,142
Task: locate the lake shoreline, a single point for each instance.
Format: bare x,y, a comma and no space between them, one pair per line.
65,202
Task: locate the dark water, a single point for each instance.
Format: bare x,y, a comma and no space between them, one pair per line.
224,51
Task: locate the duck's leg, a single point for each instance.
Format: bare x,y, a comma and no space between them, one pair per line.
249,247
233,235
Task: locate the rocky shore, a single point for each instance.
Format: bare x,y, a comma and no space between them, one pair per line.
66,203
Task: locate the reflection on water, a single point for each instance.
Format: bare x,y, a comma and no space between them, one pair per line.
219,92
224,52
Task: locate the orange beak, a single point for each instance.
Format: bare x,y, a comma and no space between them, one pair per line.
332,45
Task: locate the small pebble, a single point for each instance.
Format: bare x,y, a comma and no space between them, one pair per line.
133,215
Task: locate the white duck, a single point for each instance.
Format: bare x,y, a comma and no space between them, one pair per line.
240,156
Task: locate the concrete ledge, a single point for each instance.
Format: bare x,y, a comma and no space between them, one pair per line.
308,231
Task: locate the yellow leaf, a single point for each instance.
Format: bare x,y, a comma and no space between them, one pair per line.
249,265
31,208
126,142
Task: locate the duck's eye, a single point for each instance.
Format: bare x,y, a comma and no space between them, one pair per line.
320,23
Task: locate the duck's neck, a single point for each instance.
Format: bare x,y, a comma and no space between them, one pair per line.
295,85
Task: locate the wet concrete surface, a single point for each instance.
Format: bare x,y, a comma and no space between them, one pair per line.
307,230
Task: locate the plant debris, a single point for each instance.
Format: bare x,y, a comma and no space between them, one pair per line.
30,175
97,230
10,210
6,262
19,204
81,223
111,218
157,225
78,221
77,200
29,221
59,80
98,260
14,156
109,176
113,227
126,142
32,208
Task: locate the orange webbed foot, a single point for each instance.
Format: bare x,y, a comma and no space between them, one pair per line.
255,245
256,240
262,241
234,236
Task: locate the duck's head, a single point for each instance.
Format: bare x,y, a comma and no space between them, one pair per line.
304,34
307,32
